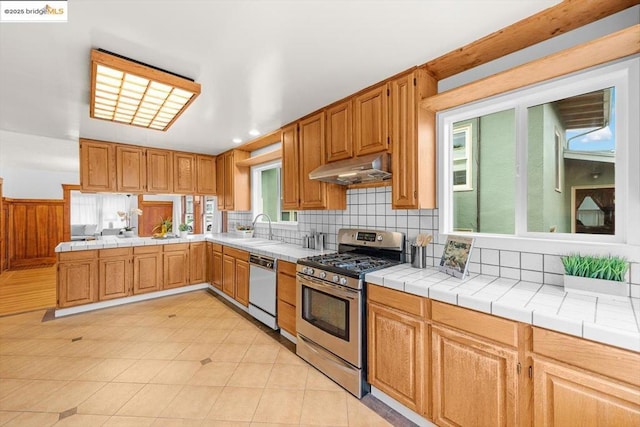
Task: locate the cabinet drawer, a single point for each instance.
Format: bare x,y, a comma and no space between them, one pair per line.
603,359
107,253
236,253
285,267
176,247
156,249
287,288
217,247
287,317
402,301
77,255
483,325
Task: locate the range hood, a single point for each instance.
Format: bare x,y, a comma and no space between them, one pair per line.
369,168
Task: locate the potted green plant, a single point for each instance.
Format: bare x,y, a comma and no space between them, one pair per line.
184,230
601,275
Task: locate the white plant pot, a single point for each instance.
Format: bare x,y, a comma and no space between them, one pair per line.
184,234
128,233
596,287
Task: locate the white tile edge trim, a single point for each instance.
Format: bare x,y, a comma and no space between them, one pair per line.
403,410
126,300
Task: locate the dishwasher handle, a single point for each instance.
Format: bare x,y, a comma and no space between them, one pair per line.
262,261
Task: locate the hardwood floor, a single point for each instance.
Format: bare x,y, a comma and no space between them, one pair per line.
27,290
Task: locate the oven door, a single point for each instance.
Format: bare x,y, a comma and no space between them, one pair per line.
331,316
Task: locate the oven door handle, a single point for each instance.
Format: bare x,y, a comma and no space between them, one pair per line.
330,289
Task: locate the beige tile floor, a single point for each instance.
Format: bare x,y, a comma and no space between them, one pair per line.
186,360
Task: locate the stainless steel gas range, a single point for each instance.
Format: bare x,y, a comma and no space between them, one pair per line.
331,303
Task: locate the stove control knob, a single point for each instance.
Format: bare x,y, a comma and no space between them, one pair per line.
311,270
323,275
379,237
335,278
343,280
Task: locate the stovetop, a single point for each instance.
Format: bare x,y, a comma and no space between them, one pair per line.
350,264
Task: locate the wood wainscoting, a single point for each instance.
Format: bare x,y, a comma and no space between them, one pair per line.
34,227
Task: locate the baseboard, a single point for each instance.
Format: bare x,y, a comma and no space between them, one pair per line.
61,312
288,336
400,408
228,298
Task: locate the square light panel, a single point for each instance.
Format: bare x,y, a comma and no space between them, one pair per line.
129,92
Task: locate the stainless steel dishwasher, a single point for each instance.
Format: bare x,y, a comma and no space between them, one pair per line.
262,289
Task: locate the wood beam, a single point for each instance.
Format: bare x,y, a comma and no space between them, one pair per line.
261,142
599,51
551,22
261,158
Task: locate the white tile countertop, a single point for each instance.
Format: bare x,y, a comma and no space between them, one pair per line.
613,322
273,248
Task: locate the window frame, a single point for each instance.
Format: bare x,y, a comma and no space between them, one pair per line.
256,191
623,75
468,159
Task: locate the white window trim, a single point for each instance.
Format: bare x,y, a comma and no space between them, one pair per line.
625,76
256,182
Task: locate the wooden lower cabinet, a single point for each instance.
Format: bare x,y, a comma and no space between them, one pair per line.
475,382
286,291
216,266
583,383
147,269
77,278
176,265
235,274
198,262
114,273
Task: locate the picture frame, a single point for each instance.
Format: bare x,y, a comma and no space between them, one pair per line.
455,257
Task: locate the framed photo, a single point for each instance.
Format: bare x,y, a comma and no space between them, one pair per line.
455,257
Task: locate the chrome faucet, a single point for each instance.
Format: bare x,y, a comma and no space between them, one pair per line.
269,219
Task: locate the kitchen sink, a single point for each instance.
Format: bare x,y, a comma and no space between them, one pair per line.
255,242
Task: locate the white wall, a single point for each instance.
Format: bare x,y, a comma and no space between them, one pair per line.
35,167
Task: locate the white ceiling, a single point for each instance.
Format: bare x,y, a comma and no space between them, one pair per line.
261,64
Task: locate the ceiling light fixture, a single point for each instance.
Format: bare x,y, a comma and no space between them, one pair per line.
236,140
254,132
130,92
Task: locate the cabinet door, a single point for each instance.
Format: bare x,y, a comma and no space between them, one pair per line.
97,166
565,396
198,260
474,382
147,273
312,193
290,170
77,283
229,275
176,268
184,176
371,121
404,156
242,282
159,171
396,344
228,181
220,175
217,270
339,131
131,169
206,175
114,278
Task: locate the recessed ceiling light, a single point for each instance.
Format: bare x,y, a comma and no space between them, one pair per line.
236,140
133,93
254,132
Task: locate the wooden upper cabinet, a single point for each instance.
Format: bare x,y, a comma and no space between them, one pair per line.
220,181
371,125
312,193
159,171
339,131
233,182
413,144
290,168
184,174
131,169
97,166
206,175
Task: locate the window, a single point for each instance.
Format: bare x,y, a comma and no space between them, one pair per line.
267,193
552,161
99,209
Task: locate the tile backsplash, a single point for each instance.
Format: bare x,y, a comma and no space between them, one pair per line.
371,208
